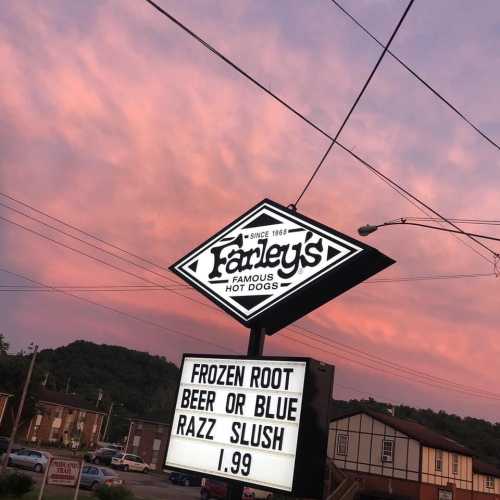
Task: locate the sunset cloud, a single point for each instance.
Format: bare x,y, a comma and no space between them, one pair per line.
117,122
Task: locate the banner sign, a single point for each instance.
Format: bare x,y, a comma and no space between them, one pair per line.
272,266
63,471
249,420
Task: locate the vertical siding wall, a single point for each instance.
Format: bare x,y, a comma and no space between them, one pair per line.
463,479
479,484
364,449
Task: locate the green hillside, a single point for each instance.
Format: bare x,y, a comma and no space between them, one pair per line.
141,384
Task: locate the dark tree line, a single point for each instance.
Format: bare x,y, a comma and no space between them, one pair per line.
144,385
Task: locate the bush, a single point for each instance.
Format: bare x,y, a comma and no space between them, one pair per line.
15,484
113,493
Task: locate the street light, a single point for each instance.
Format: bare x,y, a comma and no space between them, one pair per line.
370,228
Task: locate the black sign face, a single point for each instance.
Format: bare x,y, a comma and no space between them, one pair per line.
271,266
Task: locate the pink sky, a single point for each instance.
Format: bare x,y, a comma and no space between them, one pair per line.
116,121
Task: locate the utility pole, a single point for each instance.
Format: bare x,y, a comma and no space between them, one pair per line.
107,421
255,348
19,411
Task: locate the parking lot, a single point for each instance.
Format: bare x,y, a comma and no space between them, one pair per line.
145,486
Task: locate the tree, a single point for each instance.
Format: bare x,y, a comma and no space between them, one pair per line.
4,345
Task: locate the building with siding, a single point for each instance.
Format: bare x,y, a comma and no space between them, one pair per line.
396,458
149,440
4,399
65,419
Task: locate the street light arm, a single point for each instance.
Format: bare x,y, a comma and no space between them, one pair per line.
366,230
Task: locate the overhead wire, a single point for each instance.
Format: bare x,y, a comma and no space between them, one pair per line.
418,77
286,335
122,313
323,339
168,288
101,261
403,192
397,374
257,83
85,233
356,101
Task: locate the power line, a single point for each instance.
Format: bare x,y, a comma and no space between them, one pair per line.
402,192
322,339
120,269
405,191
484,222
393,374
169,288
418,224
404,279
235,66
419,78
358,98
81,231
144,279
122,313
112,266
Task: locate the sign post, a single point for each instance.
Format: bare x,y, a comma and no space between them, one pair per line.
255,348
268,268
44,480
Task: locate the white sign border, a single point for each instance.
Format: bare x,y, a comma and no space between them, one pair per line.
305,360
266,204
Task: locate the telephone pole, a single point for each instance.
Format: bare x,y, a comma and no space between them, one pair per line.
19,411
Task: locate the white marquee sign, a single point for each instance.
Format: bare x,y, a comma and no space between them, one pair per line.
239,419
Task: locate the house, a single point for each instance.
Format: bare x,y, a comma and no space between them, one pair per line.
4,398
148,439
396,458
65,419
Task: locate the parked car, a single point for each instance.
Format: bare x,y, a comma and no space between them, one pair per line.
218,491
93,477
102,456
29,459
251,493
213,489
127,461
185,479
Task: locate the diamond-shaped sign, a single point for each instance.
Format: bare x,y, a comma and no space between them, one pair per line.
271,266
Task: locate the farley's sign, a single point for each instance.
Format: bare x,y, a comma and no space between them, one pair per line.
260,421
272,266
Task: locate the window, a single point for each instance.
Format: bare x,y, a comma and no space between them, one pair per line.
490,482
454,463
439,461
387,450
342,444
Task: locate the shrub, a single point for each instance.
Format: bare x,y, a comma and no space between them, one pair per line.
113,493
15,484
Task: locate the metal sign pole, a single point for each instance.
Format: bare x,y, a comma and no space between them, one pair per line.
44,481
77,489
255,348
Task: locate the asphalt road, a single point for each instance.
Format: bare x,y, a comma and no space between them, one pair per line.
150,486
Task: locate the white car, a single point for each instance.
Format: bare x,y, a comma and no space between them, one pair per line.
129,462
30,459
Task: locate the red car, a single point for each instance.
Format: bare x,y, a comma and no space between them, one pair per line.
210,488
218,489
